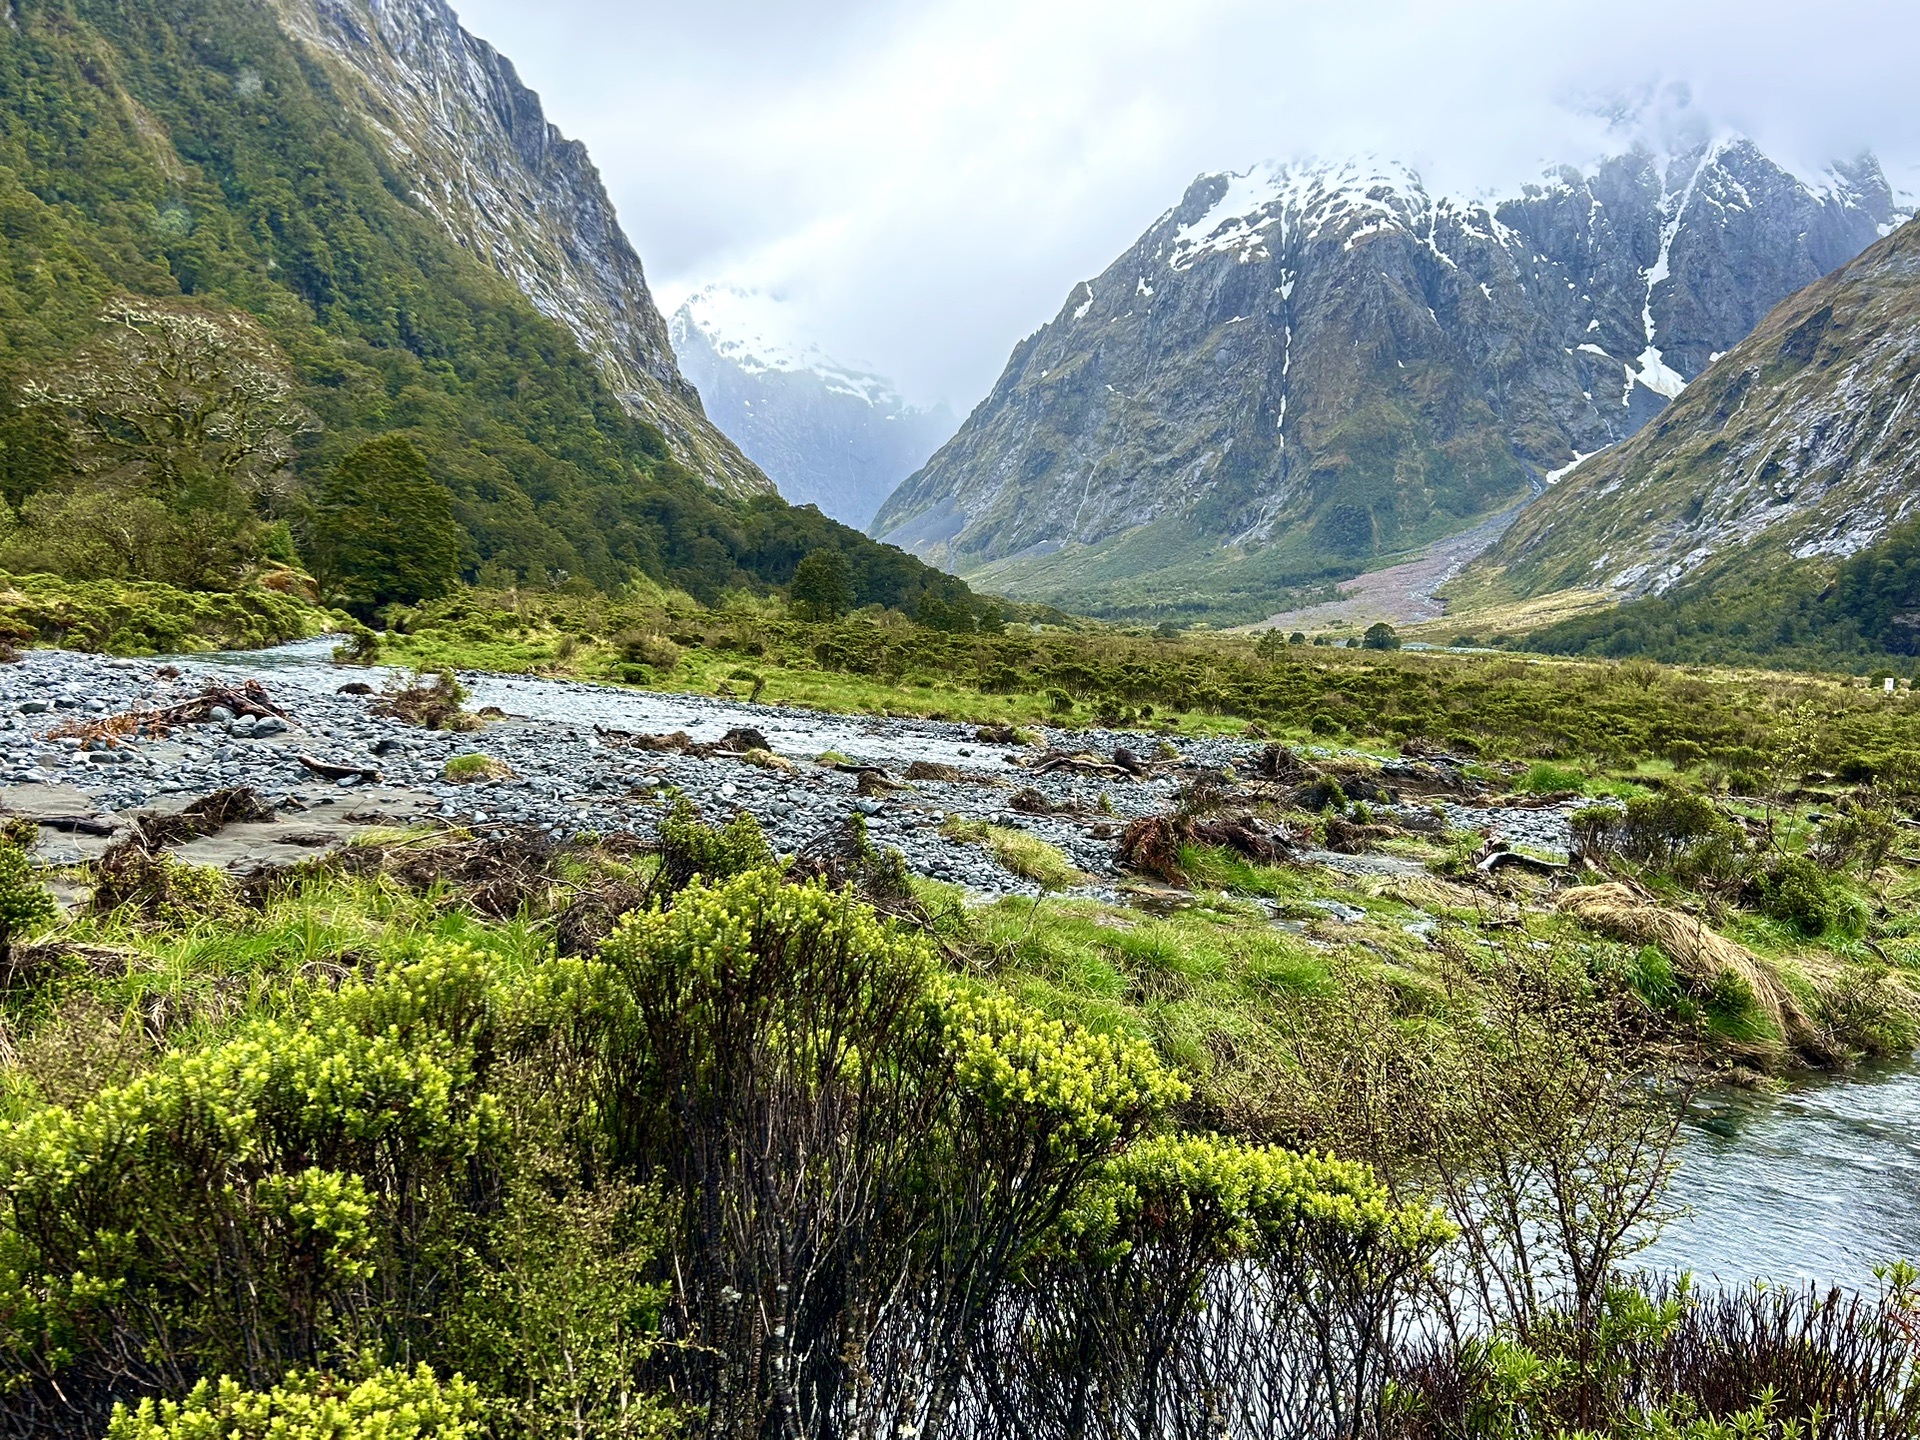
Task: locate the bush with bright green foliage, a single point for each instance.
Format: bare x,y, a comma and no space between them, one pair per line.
1545,778
1795,891
690,848
26,905
233,1209
386,1405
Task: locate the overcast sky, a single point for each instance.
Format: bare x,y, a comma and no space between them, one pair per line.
925,180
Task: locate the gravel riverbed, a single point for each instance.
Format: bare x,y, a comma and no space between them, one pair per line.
567,778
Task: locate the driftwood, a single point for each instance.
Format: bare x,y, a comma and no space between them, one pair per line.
76,824
328,771
1494,860
1082,764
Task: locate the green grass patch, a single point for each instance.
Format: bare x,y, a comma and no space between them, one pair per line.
1027,856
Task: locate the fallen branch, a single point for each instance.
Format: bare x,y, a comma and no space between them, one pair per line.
76,824
328,771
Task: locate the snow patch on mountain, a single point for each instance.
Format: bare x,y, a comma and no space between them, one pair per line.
827,432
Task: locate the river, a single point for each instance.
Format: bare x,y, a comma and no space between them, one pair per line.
1820,1183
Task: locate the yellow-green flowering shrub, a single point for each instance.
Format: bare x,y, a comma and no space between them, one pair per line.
386,1405
228,1208
1019,1068
1238,1199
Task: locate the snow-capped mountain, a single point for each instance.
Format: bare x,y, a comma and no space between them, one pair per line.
1302,368
828,434
1801,442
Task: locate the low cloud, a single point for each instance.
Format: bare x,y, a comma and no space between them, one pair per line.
925,180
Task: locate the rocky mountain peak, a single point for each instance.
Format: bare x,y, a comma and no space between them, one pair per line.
475,150
828,433
1302,370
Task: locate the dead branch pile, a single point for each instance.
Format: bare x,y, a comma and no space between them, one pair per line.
1242,833
210,814
432,705
1280,762
1123,764
1031,802
1351,837
1151,846
737,743
157,722
842,856
496,874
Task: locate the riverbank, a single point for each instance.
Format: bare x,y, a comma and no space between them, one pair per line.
574,768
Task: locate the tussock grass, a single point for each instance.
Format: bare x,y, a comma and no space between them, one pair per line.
1719,970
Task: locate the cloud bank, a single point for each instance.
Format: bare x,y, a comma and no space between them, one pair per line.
925,180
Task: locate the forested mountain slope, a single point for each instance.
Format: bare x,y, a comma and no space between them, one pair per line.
189,162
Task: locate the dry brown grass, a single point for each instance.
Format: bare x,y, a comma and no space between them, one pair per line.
1700,956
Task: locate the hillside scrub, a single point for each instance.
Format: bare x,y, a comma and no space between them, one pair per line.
131,617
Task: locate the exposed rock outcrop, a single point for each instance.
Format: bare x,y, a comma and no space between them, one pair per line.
1298,370
471,145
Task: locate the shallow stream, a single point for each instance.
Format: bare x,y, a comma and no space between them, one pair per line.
1821,1183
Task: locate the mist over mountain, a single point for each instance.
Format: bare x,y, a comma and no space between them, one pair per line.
827,434
1299,373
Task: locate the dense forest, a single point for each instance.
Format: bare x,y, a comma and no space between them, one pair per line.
1860,613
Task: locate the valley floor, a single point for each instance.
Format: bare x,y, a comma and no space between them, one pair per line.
1403,594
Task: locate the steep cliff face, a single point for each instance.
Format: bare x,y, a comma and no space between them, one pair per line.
827,434
1801,441
472,147
1296,371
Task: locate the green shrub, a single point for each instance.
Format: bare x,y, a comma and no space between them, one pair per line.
25,904
386,1405
1797,892
1680,833
689,848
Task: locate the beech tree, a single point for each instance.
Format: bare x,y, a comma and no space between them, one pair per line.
822,585
383,530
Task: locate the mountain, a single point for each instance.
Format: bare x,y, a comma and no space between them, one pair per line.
1299,373
1804,437
361,199
1770,510
473,149
828,434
